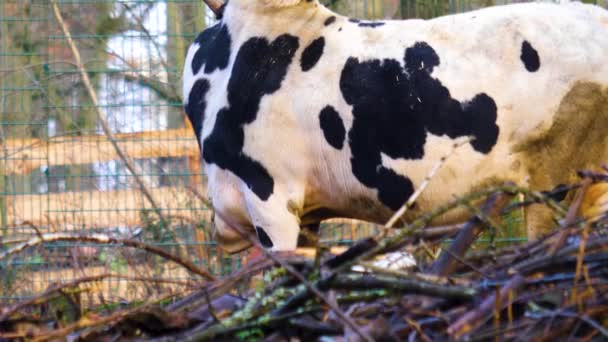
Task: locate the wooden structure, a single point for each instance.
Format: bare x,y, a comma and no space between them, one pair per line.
24,155
101,209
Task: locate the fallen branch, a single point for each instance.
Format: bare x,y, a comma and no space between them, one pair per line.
309,287
571,216
6,312
88,323
467,235
476,317
405,286
499,294
106,240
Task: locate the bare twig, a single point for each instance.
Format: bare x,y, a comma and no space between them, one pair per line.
413,286
104,239
310,287
425,183
571,216
84,323
447,261
466,263
579,262
483,312
101,114
480,305
5,313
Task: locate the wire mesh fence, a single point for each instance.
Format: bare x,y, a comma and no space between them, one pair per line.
61,173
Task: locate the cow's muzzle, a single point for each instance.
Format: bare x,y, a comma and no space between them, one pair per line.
228,238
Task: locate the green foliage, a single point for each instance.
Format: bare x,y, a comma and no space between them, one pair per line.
115,261
65,306
108,25
9,278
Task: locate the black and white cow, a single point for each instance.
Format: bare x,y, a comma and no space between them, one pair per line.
303,114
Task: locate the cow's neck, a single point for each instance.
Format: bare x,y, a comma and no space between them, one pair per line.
246,16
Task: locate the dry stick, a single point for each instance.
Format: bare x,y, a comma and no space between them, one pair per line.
101,115
226,284
403,235
310,287
424,277
438,232
219,330
405,285
202,198
497,309
579,263
419,224
571,216
85,323
7,312
448,261
583,317
476,317
142,27
466,263
221,286
417,329
105,239
332,304
412,228
425,183
542,259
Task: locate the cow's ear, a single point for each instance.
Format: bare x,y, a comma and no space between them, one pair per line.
281,3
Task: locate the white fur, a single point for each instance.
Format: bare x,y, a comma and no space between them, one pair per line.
280,3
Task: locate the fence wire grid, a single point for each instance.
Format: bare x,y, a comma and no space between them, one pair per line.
60,173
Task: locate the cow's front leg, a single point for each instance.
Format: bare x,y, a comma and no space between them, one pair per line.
276,226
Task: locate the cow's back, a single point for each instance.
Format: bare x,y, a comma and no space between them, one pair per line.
531,61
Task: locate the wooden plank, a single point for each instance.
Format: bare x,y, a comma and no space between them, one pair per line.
24,155
100,209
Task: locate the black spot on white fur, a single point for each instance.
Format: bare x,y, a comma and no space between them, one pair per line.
263,237
332,127
370,24
258,70
312,53
394,108
214,49
529,56
195,108
330,20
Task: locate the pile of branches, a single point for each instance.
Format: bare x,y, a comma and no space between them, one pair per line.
554,287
